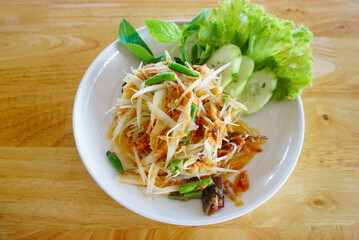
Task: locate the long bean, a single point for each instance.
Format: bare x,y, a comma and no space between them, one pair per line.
186,138
193,115
182,69
196,185
193,111
175,166
185,196
115,161
161,77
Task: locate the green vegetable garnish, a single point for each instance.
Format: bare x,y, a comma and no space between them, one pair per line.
115,161
163,31
175,166
265,39
193,111
193,116
186,196
158,59
179,61
168,32
161,77
196,185
186,138
182,69
195,52
268,40
132,40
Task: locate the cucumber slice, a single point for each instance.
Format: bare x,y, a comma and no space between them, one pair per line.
224,55
245,71
259,90
228,53
231,71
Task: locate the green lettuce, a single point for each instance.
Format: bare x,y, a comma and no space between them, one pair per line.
268,40
268,36
294,69
220,29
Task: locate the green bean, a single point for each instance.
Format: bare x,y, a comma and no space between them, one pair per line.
182,69
175,166
193,111
186,138
196,185
193,115
186,196
161,77
115,161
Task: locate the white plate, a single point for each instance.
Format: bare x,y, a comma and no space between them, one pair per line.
282,122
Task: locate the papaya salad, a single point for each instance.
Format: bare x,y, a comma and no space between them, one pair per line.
176,132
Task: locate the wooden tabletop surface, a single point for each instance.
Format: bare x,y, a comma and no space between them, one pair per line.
45,190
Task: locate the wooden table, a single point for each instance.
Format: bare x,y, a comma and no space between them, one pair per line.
45,190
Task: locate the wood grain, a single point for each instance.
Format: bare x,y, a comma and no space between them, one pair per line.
45,190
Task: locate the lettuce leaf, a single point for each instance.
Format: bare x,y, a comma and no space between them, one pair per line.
268,40
268,36
221,27
294,68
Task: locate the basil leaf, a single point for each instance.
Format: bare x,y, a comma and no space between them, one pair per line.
178,60
194,54
183,53
189,30
199,19
139,51
127,34
206,53
158,59
163,31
